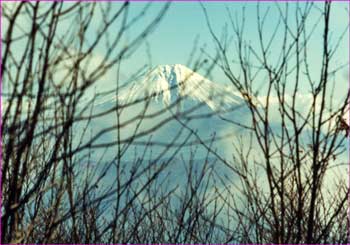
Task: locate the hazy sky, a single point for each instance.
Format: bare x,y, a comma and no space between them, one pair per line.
173,39
184,23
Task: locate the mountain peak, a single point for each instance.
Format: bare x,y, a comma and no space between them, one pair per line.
170,81
174,74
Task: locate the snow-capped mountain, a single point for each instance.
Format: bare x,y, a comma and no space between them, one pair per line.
176,95
167,83
182,107
154,130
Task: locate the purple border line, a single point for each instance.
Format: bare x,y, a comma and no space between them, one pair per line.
0,122
348,212
175,1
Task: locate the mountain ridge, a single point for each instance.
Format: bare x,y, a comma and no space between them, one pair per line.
166,83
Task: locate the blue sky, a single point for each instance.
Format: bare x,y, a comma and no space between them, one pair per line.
185,21
173,39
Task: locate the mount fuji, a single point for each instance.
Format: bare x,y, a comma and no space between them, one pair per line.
170,109
168,113
168,104
171,83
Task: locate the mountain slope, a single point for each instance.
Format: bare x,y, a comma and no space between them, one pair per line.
201,103
166,83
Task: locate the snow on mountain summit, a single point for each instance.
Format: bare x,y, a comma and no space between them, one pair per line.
167,82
